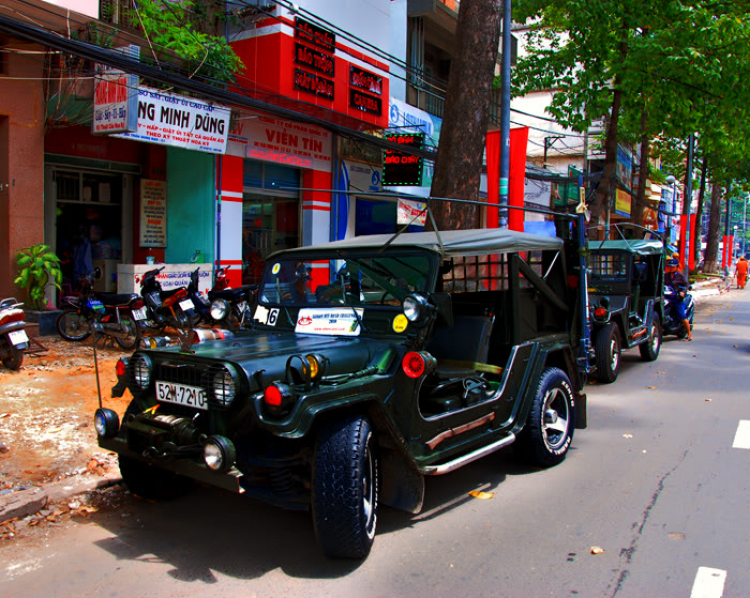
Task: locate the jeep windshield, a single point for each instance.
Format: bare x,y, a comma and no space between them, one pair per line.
360,280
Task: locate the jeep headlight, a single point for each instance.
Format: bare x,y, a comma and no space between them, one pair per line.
417,309
222,385
140,368
219,308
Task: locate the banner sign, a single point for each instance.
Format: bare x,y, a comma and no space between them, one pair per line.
115,98
285,142
400,168
314,35
153,213
179,121
314,60
411,212
330,321
622,203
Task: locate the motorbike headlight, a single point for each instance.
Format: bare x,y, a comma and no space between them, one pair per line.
222,385
140,371
219,309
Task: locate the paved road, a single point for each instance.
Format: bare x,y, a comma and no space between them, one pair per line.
658,481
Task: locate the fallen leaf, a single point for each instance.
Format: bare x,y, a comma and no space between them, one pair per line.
709,400
482,495
4,414
661,372
653,387
627,435
596,550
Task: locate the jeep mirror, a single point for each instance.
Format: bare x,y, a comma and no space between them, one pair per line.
444,306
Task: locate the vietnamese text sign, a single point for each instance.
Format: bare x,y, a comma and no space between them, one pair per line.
115,98
622,203
179,121
411,212
400,168
153,213
287,142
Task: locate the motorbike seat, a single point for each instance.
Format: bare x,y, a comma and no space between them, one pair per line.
117,300
230,294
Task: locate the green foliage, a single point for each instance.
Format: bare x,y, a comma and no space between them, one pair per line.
176,27
38,268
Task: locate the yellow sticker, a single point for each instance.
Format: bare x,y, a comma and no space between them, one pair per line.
276,269
400,323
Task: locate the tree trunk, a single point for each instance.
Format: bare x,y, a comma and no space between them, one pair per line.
698,229
639,202
458,166
603,191
711,263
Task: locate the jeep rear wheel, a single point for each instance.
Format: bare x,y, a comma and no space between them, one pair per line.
546,438
345,488
650,349
608,353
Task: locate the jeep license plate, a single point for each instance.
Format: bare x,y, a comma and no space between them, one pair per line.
180,394
18,337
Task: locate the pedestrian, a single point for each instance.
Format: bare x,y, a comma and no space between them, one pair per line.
676,281
740,272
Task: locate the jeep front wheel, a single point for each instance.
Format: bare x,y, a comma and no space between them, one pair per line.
650,349
546,438
345,488
608,353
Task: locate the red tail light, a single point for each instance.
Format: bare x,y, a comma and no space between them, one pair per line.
600,313
272,396
13,315
413,364
139,303
121,368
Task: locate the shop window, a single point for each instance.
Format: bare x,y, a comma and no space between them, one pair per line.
270,176
269,224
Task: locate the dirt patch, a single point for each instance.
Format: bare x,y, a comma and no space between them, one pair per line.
46,414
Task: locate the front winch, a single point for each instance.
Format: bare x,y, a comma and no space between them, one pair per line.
164,436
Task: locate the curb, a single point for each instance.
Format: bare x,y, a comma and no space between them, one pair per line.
27,502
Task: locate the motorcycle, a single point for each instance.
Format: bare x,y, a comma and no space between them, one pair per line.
672,325
116,316
230,307
13,337
172,308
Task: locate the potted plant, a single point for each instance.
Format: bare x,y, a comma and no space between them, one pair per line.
39,268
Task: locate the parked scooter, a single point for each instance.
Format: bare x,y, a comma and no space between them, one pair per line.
672,325
230,307
13,337
166,308
112,315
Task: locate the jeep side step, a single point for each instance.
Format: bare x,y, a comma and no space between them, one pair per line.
468,458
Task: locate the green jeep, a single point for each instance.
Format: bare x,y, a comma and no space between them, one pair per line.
372,362
626,290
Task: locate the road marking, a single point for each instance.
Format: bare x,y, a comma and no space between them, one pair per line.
742,437
709,583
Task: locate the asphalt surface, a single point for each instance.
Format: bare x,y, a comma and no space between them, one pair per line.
650,502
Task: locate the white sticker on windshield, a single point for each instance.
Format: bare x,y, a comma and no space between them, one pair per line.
333,321
261,314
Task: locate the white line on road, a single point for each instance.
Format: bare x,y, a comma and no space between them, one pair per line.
709,583
742,437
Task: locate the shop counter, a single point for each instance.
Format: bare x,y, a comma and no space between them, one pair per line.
173,276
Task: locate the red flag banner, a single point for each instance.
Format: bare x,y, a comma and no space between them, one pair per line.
492,143
517,176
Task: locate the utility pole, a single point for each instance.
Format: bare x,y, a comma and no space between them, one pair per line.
505,119
686,204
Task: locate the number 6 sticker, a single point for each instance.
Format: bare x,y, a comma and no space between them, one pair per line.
273,316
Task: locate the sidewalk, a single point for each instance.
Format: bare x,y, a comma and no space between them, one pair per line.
48,447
